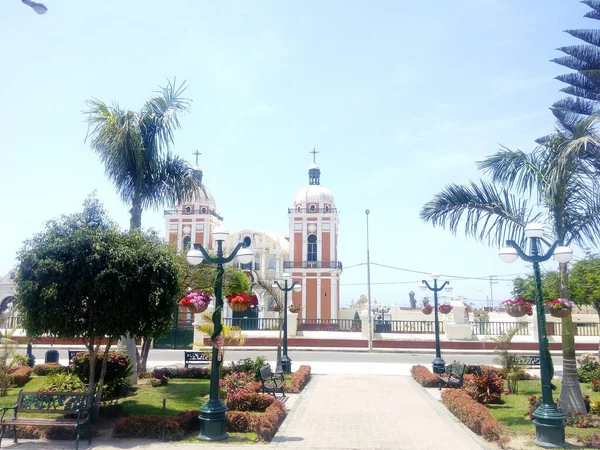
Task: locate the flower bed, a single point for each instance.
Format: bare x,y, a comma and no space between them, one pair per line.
424,377
474,415
300,379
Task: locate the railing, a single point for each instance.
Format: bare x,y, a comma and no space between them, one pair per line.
325,324
183,212
248,266
579,329
263,323
409,326
10,322
316,210
312,265
497,328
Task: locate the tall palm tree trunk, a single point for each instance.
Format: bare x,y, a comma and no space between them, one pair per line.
571,398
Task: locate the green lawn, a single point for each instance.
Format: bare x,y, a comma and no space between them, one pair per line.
512,411
181,395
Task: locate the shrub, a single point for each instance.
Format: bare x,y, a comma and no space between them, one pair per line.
162,381
19,360
534,403
248,401
424,377
236,381
118,370
591,441
478,369
266,425
20,376
238,422
148,427
300,379
202,373
48,369
485,388
596,385
580,420
589,367
248,365
474,415
189,420
65,382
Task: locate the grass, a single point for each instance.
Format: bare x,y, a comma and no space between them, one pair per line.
180,394
511,412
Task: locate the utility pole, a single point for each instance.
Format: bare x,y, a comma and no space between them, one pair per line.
492,282
369,286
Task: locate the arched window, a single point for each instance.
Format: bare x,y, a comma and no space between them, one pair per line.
312,248
272,263
187,243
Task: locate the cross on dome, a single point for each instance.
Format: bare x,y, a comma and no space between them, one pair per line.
196,153
314,153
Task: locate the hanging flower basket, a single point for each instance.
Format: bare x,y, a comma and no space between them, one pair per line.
516,311
565,312
560,307
445,309
195,310
196,302
241,302
239,307
427,309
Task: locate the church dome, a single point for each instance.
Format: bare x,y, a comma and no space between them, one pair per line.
204,197
314,193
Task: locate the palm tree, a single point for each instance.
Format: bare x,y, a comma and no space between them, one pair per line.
556,184
134,147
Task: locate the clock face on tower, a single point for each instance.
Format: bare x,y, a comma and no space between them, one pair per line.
187,230
312,228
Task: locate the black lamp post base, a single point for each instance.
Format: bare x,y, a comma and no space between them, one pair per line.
212,421
549,427
286,364
439,365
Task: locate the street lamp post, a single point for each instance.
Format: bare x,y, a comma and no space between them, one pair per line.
549,421
367,212
438,364
286,362
212,413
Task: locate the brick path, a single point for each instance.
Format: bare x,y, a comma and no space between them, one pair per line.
371,412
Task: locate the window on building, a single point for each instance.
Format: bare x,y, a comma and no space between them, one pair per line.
312,248
203,210
271,263
187,243
326,209
313,208
188,209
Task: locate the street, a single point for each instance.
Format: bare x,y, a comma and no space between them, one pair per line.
322,362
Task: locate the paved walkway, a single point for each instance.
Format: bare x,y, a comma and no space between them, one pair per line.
337,412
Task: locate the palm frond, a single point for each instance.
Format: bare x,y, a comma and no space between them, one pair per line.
514,168
487,214
160,115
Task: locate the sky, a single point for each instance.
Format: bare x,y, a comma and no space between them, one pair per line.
400,98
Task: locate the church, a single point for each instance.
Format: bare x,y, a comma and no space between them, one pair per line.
308,251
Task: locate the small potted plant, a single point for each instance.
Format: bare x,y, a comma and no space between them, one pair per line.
241,302
560,307
196,302
427,309
295,309
445,309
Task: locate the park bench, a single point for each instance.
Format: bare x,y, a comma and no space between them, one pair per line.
196,358
453,377
271,382
73,405
526,360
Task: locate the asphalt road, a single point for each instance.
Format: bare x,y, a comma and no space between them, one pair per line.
304,357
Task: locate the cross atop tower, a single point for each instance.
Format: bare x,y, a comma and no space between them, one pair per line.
314,153
196,153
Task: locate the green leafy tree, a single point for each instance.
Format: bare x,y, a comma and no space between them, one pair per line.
135,149
525,286
552,184
584,282
83,278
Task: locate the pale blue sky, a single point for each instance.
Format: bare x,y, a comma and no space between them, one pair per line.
399,97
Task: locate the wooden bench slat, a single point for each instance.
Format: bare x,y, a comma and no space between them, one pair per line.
271,382
454,375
